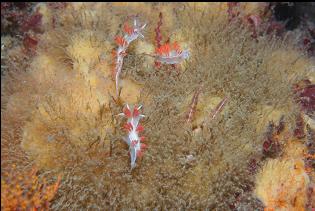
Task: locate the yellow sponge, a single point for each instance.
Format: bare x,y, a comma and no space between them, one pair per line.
282,183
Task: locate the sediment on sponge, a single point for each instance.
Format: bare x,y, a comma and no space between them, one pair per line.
68,120
184,167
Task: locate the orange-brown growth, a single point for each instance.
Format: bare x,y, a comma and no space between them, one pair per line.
26,191
282,183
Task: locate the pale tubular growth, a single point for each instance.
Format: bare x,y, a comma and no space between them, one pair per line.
218,109
132,33
193,105
134,141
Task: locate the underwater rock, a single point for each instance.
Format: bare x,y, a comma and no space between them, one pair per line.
59,107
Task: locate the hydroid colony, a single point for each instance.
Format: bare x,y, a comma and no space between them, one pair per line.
61,111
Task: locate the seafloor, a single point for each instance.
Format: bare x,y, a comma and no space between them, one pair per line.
226,89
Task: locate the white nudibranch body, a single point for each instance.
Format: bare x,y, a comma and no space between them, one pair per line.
134,141
132,33
171,54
